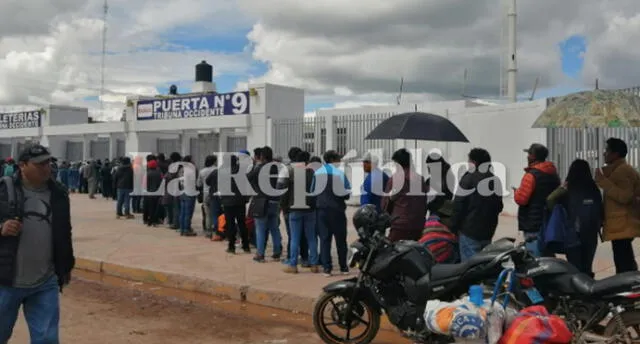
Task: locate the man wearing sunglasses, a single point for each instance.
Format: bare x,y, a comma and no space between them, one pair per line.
36,252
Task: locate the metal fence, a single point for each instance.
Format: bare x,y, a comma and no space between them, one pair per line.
310,134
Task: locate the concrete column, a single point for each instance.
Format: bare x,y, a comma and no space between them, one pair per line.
185,143
331,132
132,142
113,147
86,148
14,148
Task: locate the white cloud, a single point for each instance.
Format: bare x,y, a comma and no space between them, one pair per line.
366,46
345,52
53,53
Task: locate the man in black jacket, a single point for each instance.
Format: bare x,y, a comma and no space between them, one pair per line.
124,186
476,205
36,251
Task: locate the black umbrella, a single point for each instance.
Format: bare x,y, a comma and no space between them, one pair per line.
417,126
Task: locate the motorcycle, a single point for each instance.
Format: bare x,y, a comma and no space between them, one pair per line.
396,279
596,311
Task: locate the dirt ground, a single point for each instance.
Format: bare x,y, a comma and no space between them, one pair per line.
95,313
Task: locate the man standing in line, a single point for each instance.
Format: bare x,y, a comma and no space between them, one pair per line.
539,181
332,189
621,184
36,251
374,183
211,203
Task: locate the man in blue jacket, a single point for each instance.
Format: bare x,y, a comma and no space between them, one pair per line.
374,182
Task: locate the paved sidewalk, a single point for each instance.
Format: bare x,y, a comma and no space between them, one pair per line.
128,249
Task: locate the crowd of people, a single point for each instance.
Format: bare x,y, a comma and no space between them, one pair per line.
249,221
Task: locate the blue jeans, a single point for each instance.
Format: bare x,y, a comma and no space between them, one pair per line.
123,204
303,224
269,224
187,207
41,307
470,247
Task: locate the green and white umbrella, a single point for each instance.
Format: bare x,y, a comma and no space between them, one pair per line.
592,109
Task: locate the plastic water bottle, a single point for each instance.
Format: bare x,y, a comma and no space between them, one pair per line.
476,295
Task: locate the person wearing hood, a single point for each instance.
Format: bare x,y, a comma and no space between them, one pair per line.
152,198
106,180
539,181
409,206
124,186
477,205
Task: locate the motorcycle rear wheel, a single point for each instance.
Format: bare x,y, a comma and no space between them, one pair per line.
631,320
359,308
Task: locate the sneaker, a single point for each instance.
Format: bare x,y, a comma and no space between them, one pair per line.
305,264
246,249
259,259
231,250
327,273
129,217
344,272
314,269
290,269
188,234
276,256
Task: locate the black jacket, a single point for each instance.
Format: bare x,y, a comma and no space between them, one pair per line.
154,179
124,177
254,176
63,257
476,215
235,198
531,216
288,199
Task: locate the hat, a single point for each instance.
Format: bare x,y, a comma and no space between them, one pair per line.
539,151
35,153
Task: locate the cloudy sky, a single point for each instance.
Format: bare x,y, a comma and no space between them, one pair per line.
343,52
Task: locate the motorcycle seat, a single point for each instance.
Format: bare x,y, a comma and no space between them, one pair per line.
620,283
446,271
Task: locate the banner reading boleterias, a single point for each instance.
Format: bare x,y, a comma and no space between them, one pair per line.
194,106
21,120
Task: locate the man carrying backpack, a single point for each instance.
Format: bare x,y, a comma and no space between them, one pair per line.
36,251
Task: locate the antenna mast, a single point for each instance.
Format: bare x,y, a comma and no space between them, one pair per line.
104,54
399,97
511,62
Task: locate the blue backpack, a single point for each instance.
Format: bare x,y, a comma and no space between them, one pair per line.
9,170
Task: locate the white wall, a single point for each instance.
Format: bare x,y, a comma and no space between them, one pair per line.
503,130
63,115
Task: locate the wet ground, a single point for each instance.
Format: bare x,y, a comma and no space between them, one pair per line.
117,311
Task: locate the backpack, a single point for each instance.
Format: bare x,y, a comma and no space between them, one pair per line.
441,242
9,170
11,196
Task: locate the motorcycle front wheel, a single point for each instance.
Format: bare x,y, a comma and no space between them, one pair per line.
329,320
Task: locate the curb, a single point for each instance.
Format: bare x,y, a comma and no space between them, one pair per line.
243,293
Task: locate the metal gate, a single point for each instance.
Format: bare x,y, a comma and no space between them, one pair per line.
120,149
168,146
99,149
5,150
203,145
74,151
566,145
236,143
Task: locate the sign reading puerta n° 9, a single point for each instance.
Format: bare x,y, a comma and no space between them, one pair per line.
194,106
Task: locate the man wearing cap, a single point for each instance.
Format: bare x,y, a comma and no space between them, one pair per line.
374,182
36,251
539,180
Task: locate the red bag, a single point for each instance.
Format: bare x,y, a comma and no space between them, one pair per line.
534,325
